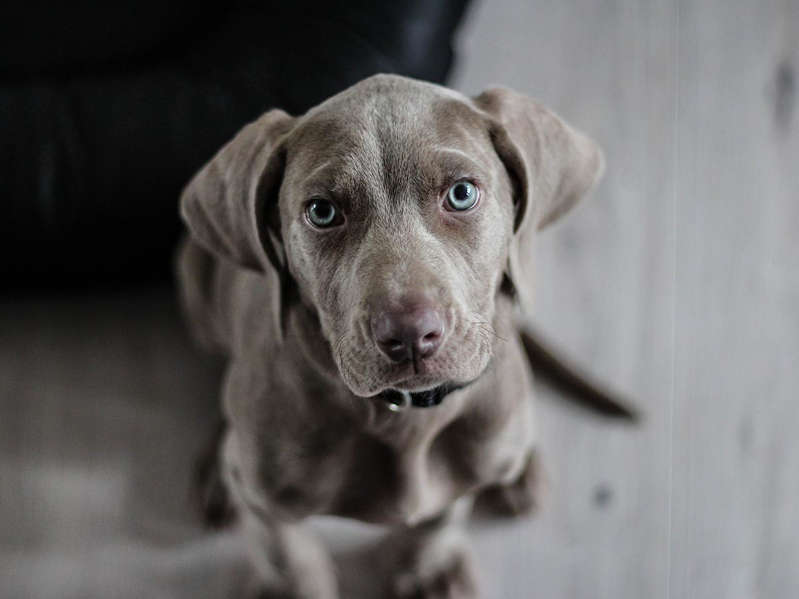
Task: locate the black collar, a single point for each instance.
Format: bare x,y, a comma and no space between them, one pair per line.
420,399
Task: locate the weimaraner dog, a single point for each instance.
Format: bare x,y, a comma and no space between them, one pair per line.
362,267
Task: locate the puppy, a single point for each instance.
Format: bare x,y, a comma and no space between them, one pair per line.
360,267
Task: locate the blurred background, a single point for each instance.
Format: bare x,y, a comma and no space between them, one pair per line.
677,281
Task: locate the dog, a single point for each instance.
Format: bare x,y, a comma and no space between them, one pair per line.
363,268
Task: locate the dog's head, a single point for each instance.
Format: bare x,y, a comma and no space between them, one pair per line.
395,209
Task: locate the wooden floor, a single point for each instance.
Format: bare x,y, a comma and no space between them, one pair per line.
678,281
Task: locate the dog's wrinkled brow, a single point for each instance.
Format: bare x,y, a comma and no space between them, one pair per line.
319,171
334,179
442,165
453,163
324,179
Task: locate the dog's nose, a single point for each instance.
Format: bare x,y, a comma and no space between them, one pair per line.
408,334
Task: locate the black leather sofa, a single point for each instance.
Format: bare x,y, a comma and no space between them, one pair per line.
106,110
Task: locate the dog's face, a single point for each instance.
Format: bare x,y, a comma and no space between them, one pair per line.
396,208
396,214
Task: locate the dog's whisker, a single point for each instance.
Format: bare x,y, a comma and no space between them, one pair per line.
486,327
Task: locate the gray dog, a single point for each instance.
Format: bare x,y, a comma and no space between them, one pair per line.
360,266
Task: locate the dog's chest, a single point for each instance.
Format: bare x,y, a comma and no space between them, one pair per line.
402,474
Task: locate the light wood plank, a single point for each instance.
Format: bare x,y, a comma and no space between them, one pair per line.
678,282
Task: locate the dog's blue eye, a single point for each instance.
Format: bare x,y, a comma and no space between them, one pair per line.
322,213
462,196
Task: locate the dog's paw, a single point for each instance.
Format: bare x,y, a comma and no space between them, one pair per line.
441,569
256,592
451,581
519,498
267,594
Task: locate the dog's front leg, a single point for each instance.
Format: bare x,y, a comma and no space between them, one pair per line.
432,559
519,497
290,562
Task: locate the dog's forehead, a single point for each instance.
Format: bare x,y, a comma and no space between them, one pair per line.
384,98
384,125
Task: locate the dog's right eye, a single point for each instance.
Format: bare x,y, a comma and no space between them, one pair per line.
323,213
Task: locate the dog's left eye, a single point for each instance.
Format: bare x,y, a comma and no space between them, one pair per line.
462,196
323,213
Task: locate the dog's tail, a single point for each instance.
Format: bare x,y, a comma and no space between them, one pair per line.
578,387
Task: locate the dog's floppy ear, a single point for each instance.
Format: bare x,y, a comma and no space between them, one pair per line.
551,167
230,205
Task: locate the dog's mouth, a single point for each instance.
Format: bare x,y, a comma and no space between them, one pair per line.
398,400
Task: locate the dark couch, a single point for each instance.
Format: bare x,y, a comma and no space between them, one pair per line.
106,110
